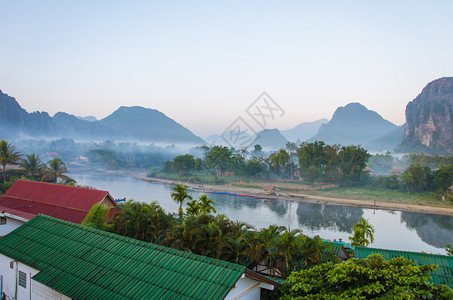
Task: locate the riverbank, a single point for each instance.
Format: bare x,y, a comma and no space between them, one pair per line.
313,198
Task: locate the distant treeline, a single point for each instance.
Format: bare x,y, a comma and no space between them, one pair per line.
318,162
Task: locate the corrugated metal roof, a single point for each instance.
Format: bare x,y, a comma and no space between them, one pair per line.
443,274
331,249
56,194
61,201
85,263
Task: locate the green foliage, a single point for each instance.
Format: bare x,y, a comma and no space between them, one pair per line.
449,250
433,161
56,169
254,167
442,178
218,157
351,162
202,206
142,221
33,166
179,196
312,160
8,156
417,178
97,217
381,162
184,163
386,182
369,278
280,162
363,234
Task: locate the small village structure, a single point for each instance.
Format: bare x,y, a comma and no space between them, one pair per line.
271,190
26,199
443,274
48,258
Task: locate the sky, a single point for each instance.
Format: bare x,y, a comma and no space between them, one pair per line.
203,63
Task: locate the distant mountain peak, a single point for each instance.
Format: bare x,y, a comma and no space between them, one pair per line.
134,123
353,124
303,131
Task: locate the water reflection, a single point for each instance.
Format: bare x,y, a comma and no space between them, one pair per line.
334,217
435,230
394,229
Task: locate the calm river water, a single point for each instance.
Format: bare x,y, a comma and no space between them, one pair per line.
396,230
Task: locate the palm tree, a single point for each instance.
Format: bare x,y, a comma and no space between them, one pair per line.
32,165
363,234
193,208
55,170
180,195
206,205
8,156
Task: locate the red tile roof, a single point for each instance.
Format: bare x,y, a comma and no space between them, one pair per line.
60,201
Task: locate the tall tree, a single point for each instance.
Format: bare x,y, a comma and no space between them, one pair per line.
363,234
206,205
312,160
280,162
351,162
8,156
179,196
417,178
56,169
32,165
291,148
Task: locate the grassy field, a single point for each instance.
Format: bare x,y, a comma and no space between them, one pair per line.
384,195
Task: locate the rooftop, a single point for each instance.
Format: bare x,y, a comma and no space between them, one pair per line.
85,263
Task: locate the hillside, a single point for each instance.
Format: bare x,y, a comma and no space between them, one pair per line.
125,124
429,119
303,131
353,124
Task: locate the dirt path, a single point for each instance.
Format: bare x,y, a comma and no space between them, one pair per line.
311,198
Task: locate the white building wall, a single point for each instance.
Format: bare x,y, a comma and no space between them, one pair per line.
33,290
10,225
41,292
9,269
247,289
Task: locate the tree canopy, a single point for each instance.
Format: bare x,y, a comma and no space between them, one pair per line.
369,278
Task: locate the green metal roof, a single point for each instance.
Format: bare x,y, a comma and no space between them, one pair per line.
332,249
85,263
443,274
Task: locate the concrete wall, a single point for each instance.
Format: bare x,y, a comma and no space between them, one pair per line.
247,289
32,290
10,225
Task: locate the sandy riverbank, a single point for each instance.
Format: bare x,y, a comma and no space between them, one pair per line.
312,198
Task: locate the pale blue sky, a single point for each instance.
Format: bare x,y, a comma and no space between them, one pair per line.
203,62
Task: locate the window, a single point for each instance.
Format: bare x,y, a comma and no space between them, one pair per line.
2,220
22,279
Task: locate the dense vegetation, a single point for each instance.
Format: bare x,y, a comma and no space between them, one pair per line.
31,167
310,269
276,249
369,278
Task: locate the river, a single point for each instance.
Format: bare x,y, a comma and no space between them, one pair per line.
397,230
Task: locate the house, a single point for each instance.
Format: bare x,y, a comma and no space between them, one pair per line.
48,258
26,199
443,274
396,171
